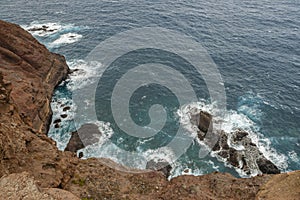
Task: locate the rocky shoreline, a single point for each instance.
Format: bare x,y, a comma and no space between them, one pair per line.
31,166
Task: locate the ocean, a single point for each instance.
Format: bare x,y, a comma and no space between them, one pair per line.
253,44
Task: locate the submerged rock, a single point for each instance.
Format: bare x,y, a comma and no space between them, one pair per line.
161,165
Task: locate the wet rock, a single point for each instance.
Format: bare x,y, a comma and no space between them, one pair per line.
235,148
161,165
64,115
239,135
87,134
267,167
56,121
205,120
56,126
80,155
66,108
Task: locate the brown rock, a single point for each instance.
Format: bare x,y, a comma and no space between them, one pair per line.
23,186
29,70
281,186
33,72
87,134
74,143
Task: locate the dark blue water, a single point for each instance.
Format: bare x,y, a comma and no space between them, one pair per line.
255,45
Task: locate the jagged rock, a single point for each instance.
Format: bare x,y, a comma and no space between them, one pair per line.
162,166
249,159
239,135
205,120
33,72
74,143
86,135
267,167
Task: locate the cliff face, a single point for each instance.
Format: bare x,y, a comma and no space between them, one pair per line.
33,73
28,76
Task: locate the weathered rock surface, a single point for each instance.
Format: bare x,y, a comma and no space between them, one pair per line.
87,134
247,157
22,186
235,148
29,74
33,73
282,186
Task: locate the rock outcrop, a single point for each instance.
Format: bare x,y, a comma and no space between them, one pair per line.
32,71
87,134
32,167
235,148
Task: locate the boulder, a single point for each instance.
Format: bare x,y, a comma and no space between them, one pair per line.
205,120
87,134
161,165
267,167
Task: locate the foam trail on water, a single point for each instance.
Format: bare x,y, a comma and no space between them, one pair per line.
67,38
84,73
54,34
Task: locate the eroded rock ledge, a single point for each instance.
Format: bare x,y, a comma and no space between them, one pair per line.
29,73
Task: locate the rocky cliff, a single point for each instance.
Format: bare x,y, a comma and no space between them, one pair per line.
31,167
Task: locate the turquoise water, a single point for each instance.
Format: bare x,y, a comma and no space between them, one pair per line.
255,45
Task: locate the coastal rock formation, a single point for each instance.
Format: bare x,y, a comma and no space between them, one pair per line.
87,134
28,75
33,73
32,167
235,148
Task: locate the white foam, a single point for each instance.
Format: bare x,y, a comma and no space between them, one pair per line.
54,34
179,169
86,73
230,122
67,38
61,135
44,29
294,157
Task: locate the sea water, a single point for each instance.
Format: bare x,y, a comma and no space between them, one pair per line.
255,45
